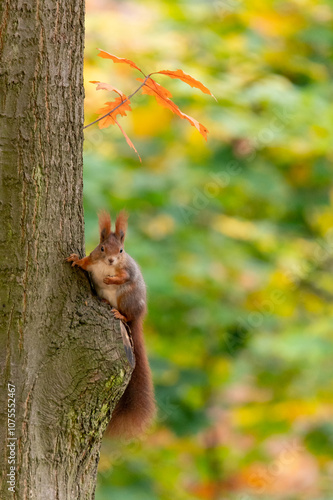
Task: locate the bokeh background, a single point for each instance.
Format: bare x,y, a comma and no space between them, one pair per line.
234,237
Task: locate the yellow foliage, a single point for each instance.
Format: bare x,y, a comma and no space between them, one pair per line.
235,228
150,120
291,410
160,226
322,220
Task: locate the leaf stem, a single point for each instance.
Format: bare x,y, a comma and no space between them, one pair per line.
127,99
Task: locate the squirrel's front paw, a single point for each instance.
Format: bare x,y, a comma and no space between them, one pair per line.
108,280
73,258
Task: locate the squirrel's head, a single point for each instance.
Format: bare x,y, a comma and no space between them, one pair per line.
111,247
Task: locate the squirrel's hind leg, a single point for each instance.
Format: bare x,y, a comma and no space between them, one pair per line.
118,315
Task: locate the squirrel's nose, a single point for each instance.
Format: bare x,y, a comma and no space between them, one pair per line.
111,261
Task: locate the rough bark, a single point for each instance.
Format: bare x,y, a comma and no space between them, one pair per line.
60,347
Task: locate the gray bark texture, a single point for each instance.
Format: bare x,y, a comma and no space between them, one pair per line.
59,345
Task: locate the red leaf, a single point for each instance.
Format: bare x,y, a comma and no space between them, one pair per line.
111,118
115,59
187,79
128,140
107,86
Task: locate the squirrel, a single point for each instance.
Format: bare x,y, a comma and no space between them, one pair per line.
118,280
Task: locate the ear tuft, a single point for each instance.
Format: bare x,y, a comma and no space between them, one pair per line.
121,225
104,220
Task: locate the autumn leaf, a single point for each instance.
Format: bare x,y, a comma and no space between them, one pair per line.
156,88
162,96
180,75
128,140
115,59
111,118
107,86
121,105
108,114
201,128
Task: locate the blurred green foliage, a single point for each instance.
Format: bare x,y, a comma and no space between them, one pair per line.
234,239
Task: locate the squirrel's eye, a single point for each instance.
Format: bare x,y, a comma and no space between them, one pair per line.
121,250
102,249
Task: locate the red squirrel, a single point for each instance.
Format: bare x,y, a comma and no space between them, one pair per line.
118,280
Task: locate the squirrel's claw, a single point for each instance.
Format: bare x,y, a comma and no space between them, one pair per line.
73,258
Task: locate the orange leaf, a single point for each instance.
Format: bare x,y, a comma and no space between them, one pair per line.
187,79
115,59
107,86
156,88
162,96
128,140
202,129
111,118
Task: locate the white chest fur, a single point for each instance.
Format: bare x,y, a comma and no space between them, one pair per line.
98,272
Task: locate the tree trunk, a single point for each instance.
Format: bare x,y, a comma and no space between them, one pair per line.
62,358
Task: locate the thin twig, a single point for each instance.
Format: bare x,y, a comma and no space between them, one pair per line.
114,109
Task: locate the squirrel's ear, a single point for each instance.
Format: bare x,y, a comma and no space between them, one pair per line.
121,225
104,220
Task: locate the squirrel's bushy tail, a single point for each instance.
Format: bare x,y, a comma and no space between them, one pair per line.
136,408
